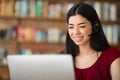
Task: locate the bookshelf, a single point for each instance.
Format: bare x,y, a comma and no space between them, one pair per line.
24,30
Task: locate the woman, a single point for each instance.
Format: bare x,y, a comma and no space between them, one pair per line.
94,58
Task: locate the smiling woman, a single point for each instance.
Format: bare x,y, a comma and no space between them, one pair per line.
94,58
79,29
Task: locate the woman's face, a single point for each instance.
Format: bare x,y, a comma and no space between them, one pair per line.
79,29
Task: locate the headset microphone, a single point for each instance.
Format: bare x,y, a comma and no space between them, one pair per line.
90,35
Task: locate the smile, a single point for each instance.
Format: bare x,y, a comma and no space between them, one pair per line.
78,39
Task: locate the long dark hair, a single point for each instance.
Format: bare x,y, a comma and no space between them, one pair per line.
98,40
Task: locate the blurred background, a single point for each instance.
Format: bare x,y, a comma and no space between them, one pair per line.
39,26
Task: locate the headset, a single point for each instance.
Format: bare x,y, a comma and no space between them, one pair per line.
95,30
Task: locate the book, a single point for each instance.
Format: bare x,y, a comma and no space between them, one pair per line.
58,10
39,8
115,34
38,35
3,7
28,33
119,33
51,11
21,33
17,8
113,12
54,35
9,9
24,8
109,34
106,11
45,8
32,8
97,6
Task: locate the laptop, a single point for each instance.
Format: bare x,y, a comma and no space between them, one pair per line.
41,67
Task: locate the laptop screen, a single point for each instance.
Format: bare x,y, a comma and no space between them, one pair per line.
41,67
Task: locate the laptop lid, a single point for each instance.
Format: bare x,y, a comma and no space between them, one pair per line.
41,67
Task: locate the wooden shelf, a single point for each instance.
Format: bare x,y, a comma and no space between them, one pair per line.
67,1
4,72
7,41
62,20
33,18
36,47
42,47
110,22
106,0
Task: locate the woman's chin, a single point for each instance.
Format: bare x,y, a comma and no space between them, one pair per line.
78,43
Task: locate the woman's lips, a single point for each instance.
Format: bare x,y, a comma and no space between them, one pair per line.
78,39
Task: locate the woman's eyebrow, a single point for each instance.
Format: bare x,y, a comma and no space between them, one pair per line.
81,23
77,24
70,24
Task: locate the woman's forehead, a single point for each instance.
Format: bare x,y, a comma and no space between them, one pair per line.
77,19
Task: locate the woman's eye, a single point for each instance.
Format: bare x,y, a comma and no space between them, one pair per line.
82,26
70,27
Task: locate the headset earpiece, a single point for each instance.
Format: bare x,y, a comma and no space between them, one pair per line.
95,28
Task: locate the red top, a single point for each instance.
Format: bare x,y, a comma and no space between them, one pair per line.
100,70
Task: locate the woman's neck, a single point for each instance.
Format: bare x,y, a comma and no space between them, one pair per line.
86,50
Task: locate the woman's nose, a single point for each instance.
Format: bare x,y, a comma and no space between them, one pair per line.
76,31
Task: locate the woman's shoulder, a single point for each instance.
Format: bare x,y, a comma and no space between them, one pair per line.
111,54
112,50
